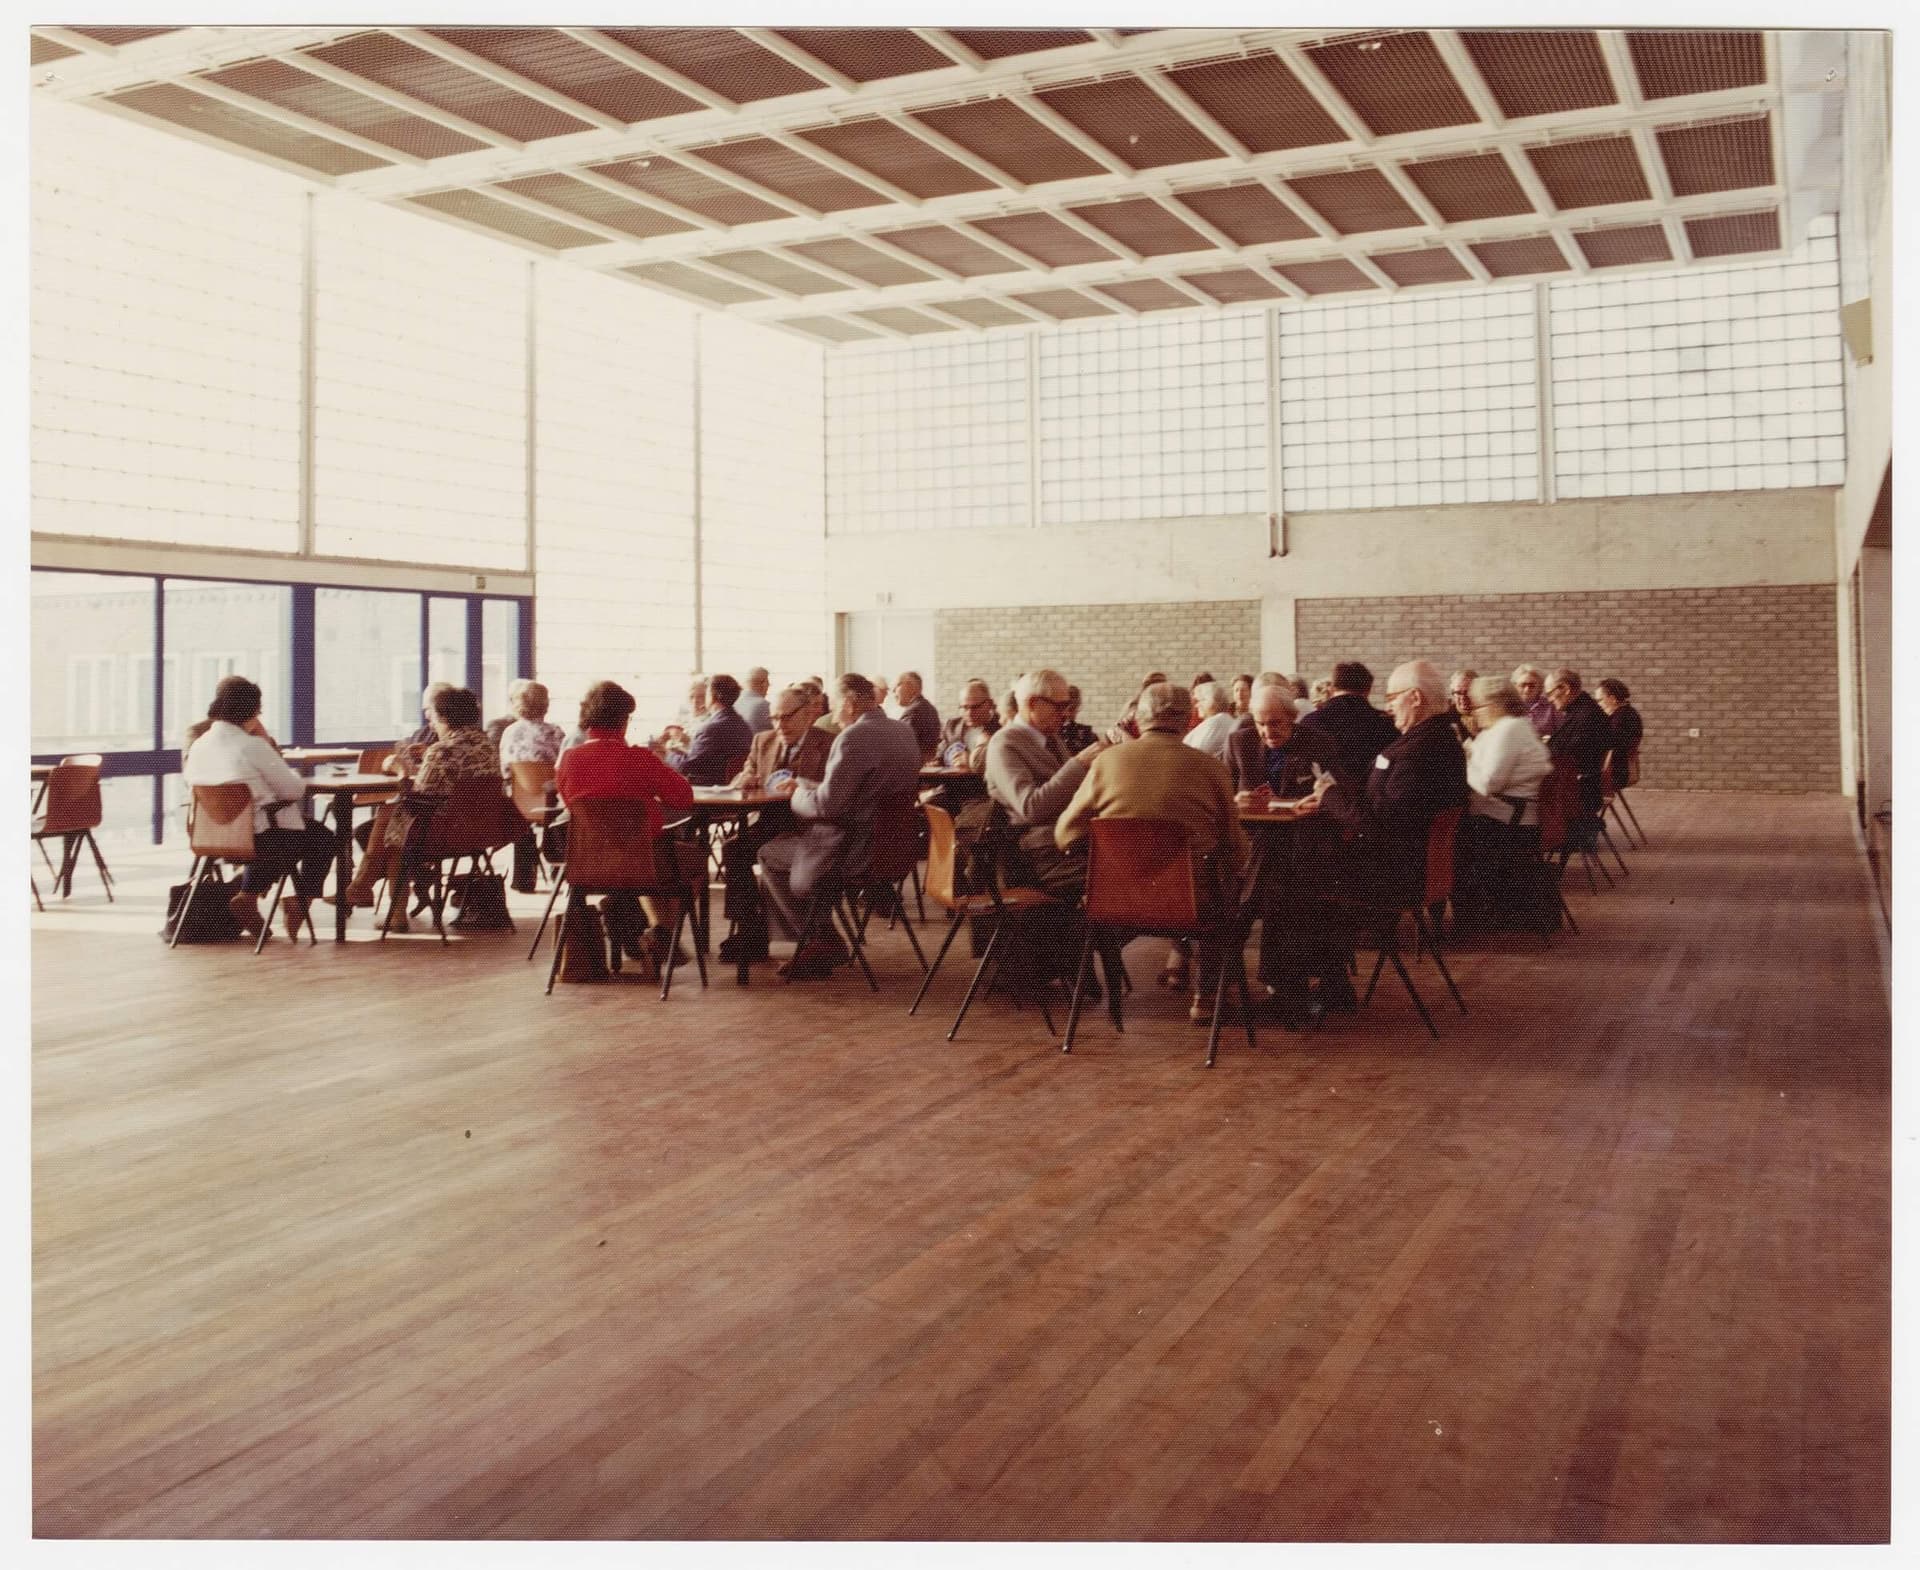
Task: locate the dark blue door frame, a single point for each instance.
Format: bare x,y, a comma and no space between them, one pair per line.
159,760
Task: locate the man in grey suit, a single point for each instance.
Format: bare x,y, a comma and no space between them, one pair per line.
873,758
1032,775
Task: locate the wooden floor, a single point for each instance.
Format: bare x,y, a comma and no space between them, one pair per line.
376,1241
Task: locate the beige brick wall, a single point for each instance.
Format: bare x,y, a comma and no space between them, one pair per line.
1102,649
1755,669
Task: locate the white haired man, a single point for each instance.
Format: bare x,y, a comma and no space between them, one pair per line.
1421,774
754,706
917,714
1031,774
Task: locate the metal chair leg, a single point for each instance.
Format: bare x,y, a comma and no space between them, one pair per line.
1433,947
858,944
954,925
1412,991
559,878
1614,848
901,906
1621,797
273,906
200,864
1079,987
973,986
1219,998
100,865
560,940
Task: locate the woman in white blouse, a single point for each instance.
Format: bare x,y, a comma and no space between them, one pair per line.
1505,765
529,739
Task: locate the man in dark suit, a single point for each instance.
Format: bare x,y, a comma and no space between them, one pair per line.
1584,735
1380,852
872,759
1346,733
918,715
722,740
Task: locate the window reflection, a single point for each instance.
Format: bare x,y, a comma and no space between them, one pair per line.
92,663
226,629
366,665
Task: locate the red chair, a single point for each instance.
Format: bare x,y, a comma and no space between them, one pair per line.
1006,907
472,819
220,828
1559,811
69,810
1144,881
610,850
1442,830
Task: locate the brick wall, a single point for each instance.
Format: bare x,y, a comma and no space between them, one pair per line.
1718,659
1102,649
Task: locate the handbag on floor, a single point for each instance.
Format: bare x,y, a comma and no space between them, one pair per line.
482,898
583,949
208,920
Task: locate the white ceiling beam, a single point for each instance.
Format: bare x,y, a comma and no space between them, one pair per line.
841,315
405,103
500,236
1678,240
1411,194
1570,249
299,122
219,144
1073,136
1325,94
1302,209
688,295
748,187
1180,286
1092,232
814,265
1317,248
1002,249
1105,300
846,168
1208,231
1652,165
67,38
1520,166
911,258
1367,265
1110,36
1619,61
1183,103
1282,282
1463,254
939,38
657,204
647,66
920,131
540,209
795,56
745,281
107,69
504,76
1453,53
674,138
959,321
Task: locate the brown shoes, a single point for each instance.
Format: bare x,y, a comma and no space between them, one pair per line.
245,909
293,911
815,960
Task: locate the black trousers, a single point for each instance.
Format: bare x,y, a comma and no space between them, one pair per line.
307,852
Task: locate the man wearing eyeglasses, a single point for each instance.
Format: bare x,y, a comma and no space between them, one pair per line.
793,747
1460,690
1530,682
1584,735
1032,775
971,729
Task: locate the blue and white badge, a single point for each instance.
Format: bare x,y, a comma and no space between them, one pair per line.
779,777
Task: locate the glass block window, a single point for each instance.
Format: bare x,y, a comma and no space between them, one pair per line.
1153,420
614,499
928,436
420,390
1705,380
763,588
1410,403
165,303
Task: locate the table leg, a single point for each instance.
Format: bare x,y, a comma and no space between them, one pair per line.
343,860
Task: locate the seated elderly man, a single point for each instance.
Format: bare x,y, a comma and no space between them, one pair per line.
1584,735
1077,735
1504,771
964,738
754,706
1460,698
1214,704
1530,682
792,750
1157,777
873,758
1260,757
920,716
722,740
1032,775
1266,769
1381,857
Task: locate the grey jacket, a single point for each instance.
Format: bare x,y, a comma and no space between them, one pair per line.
1033,777
873,758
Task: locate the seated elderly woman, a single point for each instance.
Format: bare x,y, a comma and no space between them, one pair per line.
604,767
460,751
527,738
234,748
1505,766
1624,719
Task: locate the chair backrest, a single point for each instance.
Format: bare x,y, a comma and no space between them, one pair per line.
475,817
1559,804
72,799
1633,764
1441,832
610,847
90,759
1606,776
220,821
894,849
532,784
940,856
1140,873
373,759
